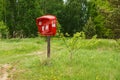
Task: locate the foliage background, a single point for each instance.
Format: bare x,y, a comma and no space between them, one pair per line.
73,16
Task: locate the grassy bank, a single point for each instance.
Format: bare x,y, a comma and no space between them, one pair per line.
95,60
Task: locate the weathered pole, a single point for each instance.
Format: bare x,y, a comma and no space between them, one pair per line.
48,46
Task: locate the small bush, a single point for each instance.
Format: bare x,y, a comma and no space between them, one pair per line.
3,30
90,28
72,43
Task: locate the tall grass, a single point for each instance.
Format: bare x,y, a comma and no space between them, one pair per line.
96,59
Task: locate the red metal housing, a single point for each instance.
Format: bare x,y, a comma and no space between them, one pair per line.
46,25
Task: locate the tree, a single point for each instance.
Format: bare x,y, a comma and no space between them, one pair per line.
21,16
28,12
73,16
53,7
90,28
1,9
11,15
3,30
113,19
95,11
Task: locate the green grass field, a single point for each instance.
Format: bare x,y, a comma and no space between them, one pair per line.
27,58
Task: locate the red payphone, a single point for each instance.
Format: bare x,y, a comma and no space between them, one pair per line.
46,25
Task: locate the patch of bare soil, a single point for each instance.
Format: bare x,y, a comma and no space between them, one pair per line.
6,72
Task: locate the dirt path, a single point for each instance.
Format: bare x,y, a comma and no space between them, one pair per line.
7,70
4,72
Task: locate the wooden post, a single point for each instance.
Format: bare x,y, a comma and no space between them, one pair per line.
48,46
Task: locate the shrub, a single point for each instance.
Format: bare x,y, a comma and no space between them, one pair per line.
89,28
3,30
72,43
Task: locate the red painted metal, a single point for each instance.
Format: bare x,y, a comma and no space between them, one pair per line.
47,25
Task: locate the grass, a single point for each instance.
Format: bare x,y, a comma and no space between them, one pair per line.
95,60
